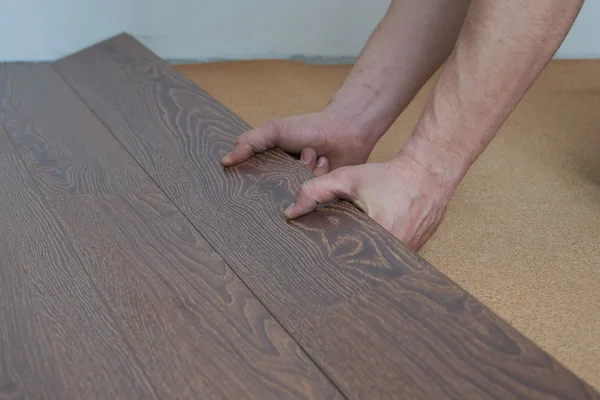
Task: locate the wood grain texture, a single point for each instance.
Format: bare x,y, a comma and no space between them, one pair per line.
334,264
5,144
57,339
178,134
421,337
66,148
196,328
136,69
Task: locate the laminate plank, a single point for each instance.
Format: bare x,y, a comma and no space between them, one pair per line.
196,328
136,69
5,144
63,144
333,263
57,339
178,133
420,337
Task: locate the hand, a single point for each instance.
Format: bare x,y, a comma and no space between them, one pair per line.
401,195
324,142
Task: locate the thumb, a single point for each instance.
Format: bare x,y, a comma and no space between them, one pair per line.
338,184
252,142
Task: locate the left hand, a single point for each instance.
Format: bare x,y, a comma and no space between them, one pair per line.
401,195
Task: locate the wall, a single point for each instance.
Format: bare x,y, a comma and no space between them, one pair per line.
584,39
33,30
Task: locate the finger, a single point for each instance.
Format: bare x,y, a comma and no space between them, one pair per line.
320,190
308,158
322,166
252,142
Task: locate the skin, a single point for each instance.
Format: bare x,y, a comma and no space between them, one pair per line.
493,52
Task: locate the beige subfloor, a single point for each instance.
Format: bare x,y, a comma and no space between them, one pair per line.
522,232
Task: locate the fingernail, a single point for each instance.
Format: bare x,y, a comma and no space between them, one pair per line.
289,209
304,157
226,159
321,161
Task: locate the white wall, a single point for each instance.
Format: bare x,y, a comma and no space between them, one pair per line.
218,29
584,39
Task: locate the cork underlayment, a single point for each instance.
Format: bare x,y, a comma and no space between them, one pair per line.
522,232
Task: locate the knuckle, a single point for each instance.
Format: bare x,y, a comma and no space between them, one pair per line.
340,175
269,126
272,127
264,136
242,139
305,190
345,179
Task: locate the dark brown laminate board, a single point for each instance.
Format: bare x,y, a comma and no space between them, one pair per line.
421,337
5,145
178,134
57,339
328,265
196,328
65,147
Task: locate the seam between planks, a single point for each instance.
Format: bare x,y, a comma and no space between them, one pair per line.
199,228
85,270
285,329
192,211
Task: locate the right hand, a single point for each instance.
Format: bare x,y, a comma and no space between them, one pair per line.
323,141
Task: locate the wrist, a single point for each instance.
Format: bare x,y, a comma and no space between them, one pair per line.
362,112
435,163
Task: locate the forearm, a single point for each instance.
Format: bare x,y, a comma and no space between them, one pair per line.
502,48
407,47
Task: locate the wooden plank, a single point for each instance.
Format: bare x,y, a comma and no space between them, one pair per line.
196,328
425,338
5,145
66,148
178,134
322,264
198,331
57,339
134,72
